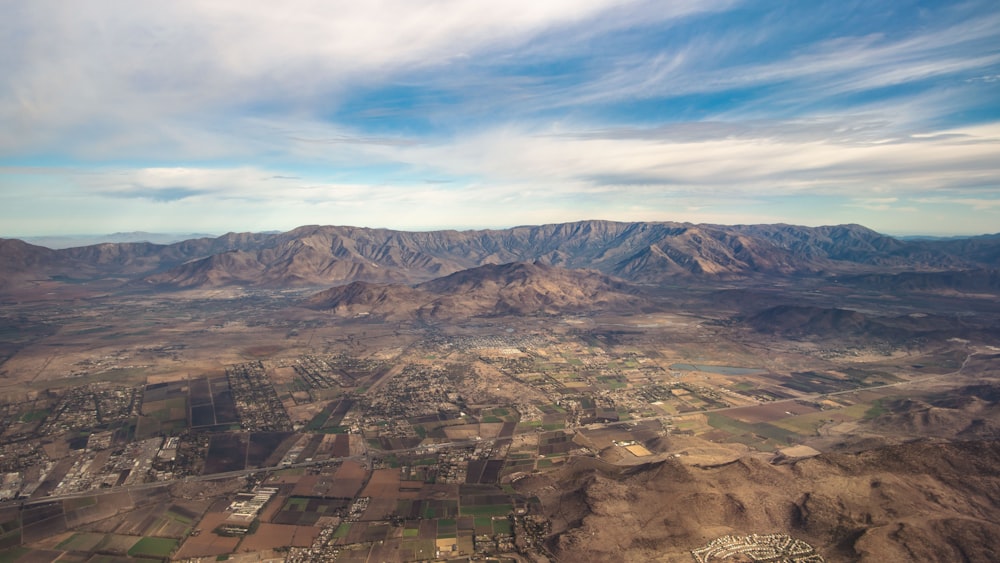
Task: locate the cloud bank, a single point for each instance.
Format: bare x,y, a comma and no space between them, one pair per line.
224,115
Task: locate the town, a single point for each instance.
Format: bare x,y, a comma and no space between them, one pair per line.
396,454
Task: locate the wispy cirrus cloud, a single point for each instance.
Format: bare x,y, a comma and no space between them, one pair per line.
444,111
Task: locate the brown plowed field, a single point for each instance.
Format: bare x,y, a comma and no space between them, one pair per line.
269,536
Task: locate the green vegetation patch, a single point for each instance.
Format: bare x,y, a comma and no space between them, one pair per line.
155,547
342,530
809,423
552,409
178,517
486,510
13,554
613,382
806,424
752,433
82,541
528,425
876,410
34,415
69,505
10,539
296,504
502,526
447,528
411,533
318,421
484,522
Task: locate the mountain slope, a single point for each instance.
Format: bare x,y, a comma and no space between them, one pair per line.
491,290
643,252
969,281
921,501
20,262
797,321
646,252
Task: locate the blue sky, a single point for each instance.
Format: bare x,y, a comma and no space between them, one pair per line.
251,115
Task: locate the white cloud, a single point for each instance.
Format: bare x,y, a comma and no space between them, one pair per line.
585,176
93,68
769,164
190,104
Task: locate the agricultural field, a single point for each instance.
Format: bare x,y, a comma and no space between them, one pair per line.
407,441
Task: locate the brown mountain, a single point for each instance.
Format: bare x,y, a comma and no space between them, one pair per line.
387,301
803,321
966,281
800,320
920,501
644,252
493,290
19,256
969,412
20,262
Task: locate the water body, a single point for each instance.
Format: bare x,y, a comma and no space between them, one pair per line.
720,370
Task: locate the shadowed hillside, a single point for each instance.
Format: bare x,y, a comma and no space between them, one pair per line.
639,252
922,501
493,290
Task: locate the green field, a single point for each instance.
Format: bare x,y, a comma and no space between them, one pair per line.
10,539
761,435
69,505
484,521
34,415
502,527
342,530
13,554
876,410
296,504
83,541
486,510
156,547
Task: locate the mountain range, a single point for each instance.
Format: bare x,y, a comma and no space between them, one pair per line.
518,288
643,252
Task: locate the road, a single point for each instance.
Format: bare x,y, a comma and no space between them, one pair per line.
367,456
364,458
809,397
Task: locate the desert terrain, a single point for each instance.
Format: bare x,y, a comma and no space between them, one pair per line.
577,392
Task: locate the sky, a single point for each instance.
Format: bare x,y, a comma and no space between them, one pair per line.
255,115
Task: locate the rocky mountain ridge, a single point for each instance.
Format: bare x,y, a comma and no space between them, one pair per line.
518,288
646,252
920,501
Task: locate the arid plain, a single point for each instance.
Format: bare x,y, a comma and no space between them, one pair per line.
517,411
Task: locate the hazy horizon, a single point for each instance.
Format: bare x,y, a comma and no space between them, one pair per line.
66,240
